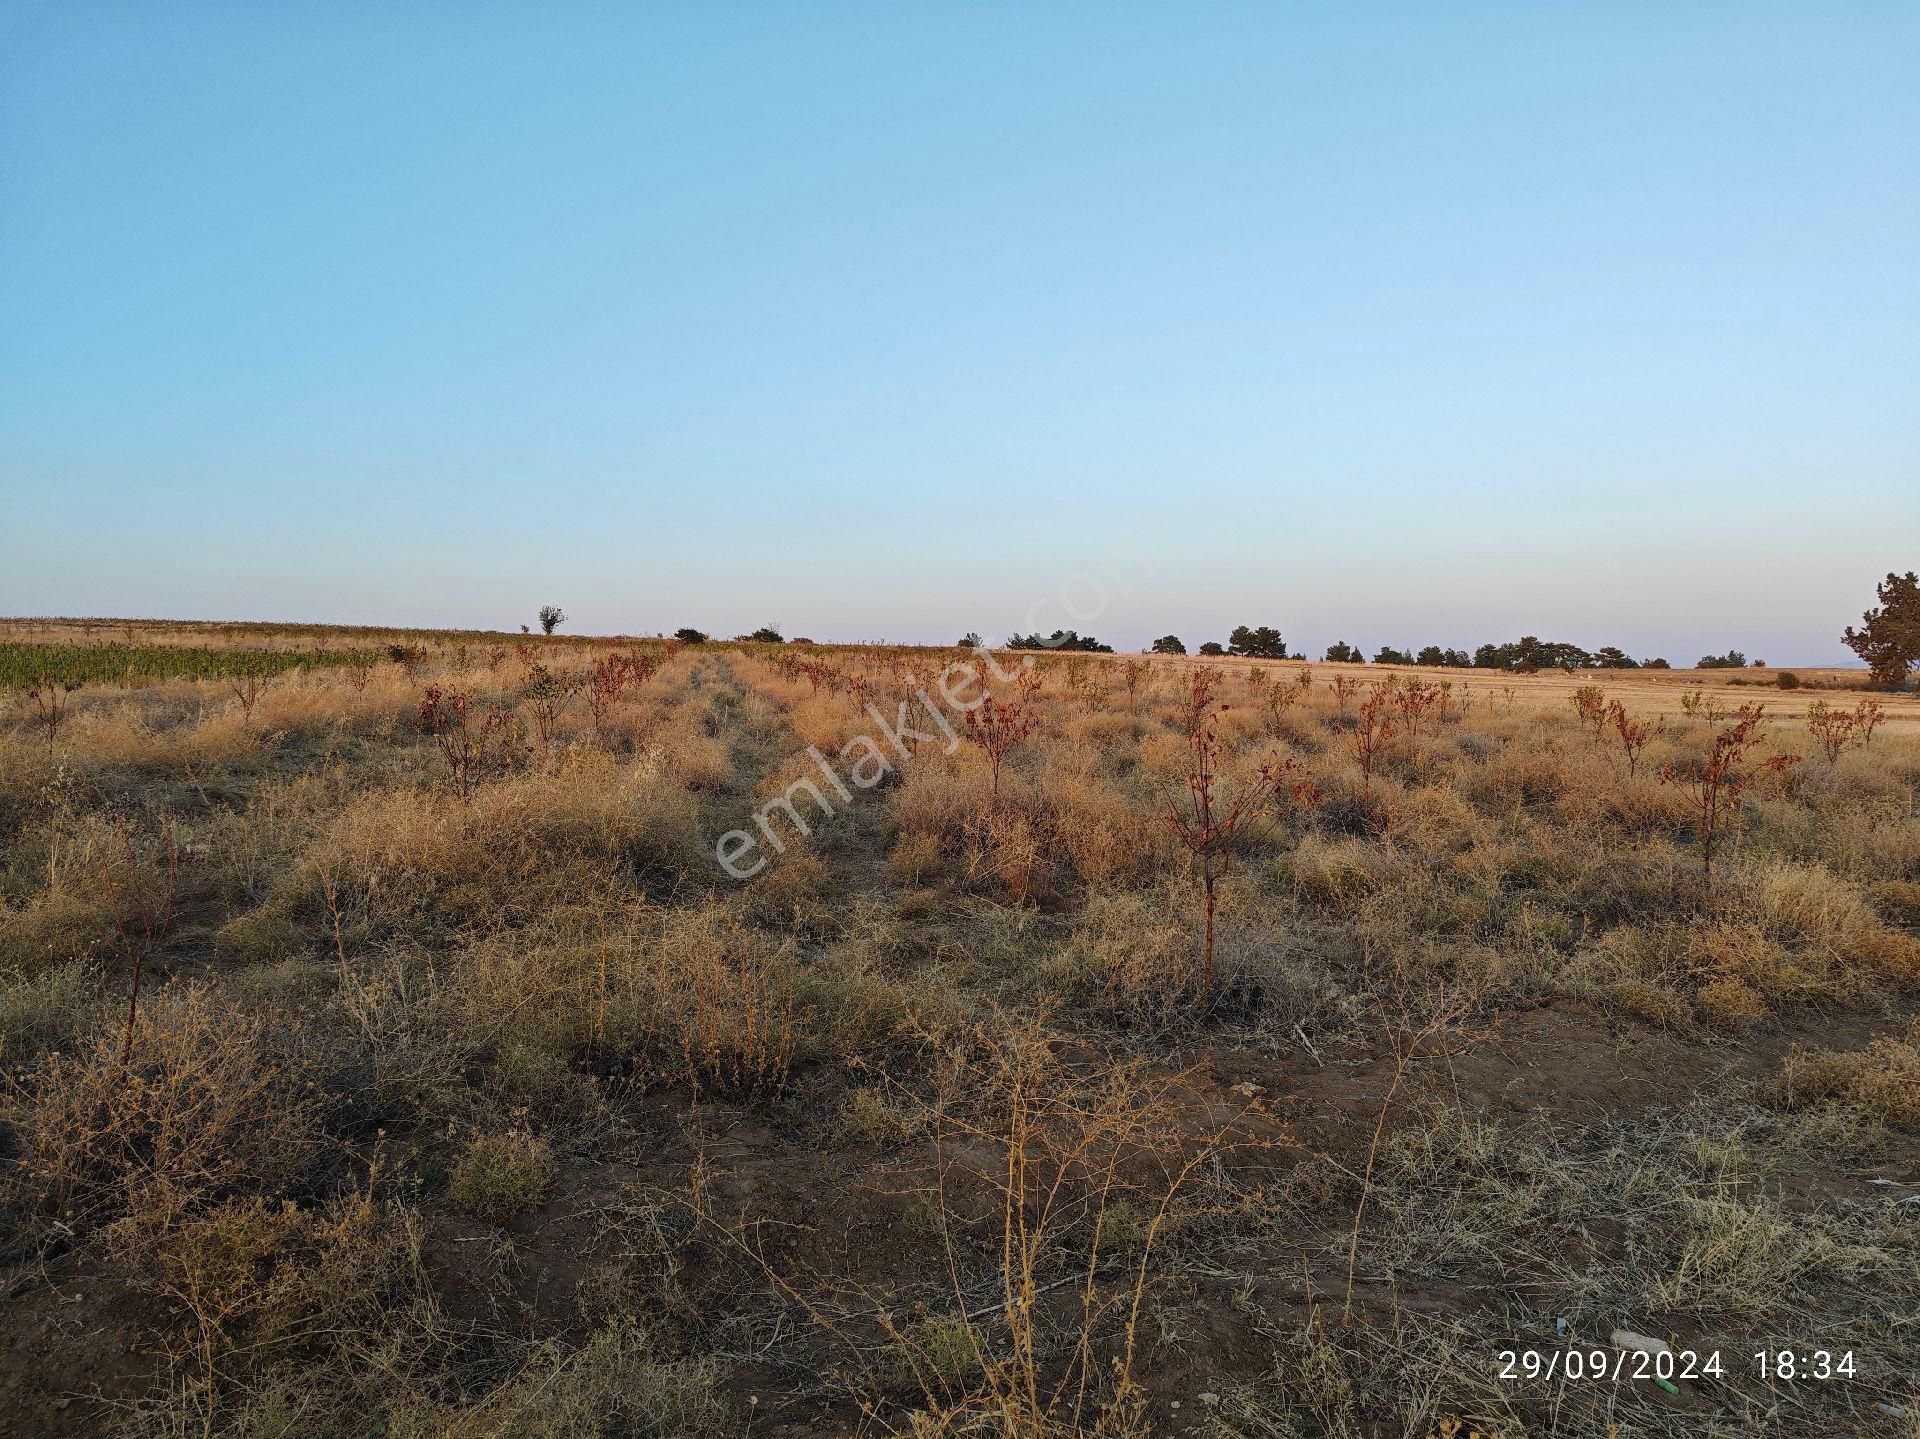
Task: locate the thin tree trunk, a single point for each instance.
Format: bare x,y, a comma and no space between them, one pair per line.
133,1009
1209,965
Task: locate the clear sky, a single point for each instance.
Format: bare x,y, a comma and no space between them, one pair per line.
1388,323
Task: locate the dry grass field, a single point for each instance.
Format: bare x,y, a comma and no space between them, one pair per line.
1271,1053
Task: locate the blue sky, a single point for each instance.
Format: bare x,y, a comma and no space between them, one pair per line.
1392,324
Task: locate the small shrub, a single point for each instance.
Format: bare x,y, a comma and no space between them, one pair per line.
870,1117
1633,734
1731,1003
1212,826
500,1175
1590,708
48,698
915,855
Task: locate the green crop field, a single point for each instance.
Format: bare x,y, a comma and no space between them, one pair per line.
21,664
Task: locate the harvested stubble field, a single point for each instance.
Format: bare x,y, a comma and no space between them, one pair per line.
386,1052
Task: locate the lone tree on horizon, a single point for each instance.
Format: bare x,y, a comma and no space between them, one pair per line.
1889,635
551,618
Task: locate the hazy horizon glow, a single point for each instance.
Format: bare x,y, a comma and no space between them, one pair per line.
1398,325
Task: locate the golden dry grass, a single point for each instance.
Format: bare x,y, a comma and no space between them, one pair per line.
464,1079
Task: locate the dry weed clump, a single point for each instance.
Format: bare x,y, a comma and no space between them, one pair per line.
1437,820
1519,776
687,996
1883,1079
1338,873
144,743
501,1174
255,1293
1060,824
622,1381
915,856
403,856
1810,905
51,1008
1100,838
1129,959
1004,849
1898,900
55,926
212,1106
1128,955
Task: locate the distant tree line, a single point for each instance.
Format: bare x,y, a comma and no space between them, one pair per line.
1525,654
1888,640
1531,653
1058,640
1521,656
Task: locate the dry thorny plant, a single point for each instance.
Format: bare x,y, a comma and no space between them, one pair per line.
1053,1178
1416,701
1634,735
48,697
1212,826
610,679
546,694
1717,785
1590,708
997,726
1436,1034
475,743
142,886
247,687
739,1030
1837,729
1369,735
